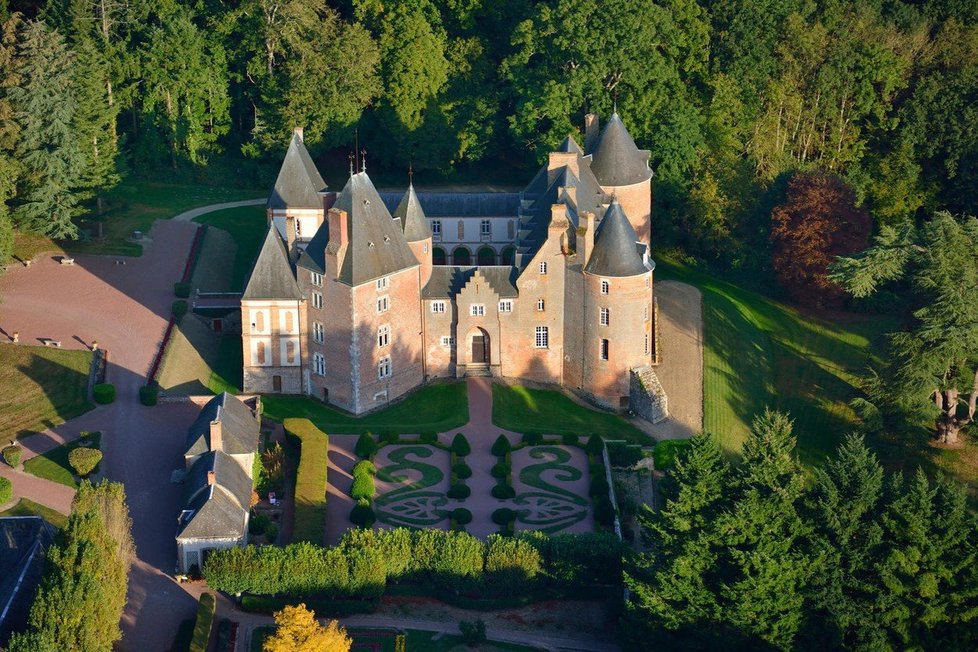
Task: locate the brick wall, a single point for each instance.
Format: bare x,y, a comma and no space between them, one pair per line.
636,201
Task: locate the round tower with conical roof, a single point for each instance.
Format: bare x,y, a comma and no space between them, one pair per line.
617,309
416,230
623,171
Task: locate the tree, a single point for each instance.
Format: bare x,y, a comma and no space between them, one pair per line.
297,631
817,222
933,369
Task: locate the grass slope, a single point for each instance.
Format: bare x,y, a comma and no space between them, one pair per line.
310,483
25,507
54,465
761,353
247,226
434,408
42,387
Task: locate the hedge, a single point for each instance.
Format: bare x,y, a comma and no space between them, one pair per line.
264,604
6,490
310,482
503,516
84,460
364,486
533,438
501,470
594,445
11,455
181,290
459,491
366,446
149,394
179,308
104,393
205,621
363,516
462,470
460,445
503,491
462,516
501,446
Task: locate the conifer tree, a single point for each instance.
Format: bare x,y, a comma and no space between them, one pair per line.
8,134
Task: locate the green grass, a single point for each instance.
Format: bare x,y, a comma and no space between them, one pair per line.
434,408
666,452
41,388
248,226
204,624
549,412
761,353
310,483
226,371
25,507
54,466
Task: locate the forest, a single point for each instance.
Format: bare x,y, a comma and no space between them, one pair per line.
734,98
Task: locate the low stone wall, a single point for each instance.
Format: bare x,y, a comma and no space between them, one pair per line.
646,398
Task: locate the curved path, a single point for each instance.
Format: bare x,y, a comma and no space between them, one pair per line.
194,213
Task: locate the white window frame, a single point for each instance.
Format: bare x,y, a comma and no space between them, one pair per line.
383,304
319,364
541,338
543,267
605,287
605,317
317,300
383,283
384,336
541,305
318,332
438,307
506,305
447,340
316,279
385,368
436,230
477,310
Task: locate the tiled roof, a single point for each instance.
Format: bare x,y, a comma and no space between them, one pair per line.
272,276
412,217
299,183
446,282
239,427
24,540
218,510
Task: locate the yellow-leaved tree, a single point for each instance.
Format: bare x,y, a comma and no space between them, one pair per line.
298,631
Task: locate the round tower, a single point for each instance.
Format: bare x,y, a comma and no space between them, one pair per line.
623,171
416,230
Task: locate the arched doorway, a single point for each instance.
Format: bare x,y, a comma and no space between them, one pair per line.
479,348
508,255
438,256
486,256
461,256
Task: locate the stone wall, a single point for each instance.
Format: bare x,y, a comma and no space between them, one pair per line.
646,397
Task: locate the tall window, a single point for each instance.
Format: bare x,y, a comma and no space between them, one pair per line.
384,335
318,332
289,322
383,283
646,344
290,351
605,286
436,229
317,300
317,279
485,229
319,364
605,317
437,306
384,368
543,267
259,324
383,304
461,230
604,349
542,340
541,305
477,310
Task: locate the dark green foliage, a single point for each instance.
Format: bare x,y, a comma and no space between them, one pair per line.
595,469
512,565
366,446
503,516
310,482
104,393
259,524
503,491
84,460
429,437
570,439
205,622
149,393
181,290
501,470
459,491
6,490
462,516
604,511
11,455
594,445
473,633
533,438
363,487
501,446
363,515
624,455
460,445
462,471
598,486
178,309
389,436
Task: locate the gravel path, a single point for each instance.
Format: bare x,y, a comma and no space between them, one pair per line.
194,213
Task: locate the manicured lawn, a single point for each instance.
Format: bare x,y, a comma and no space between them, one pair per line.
761,353
25,507
310,483
226,370
549,412
41,387
247,225
435,408
54,466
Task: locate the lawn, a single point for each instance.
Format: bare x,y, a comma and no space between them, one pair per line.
54,466
25,507
383,640
433,408
761,353
310,483
550,412
248,226
42,387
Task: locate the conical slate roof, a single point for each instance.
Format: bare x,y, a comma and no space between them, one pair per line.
412,217
615,250
616,160
271,277
299,183
376,244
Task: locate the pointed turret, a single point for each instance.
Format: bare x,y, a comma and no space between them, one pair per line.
412,217
299,183
616,248
271,277
617,161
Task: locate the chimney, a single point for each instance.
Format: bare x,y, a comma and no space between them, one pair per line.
211,478
338,232
216,442
291,235
298,132
587,227
559,160
592,127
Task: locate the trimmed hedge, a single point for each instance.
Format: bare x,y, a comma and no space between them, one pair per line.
462,470
179,308
594,445
503,516
503,491
149,394
310,482
599,486
459,491
604,511
462,516
460,445
429,437
181,290
501,470
11,455
104,393
264,604
205,622
570,439
501,446
84,460
533,438
6,490
366,446
363,516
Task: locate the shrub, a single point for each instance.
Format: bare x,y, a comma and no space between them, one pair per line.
512,565
364,468
503,516
578,559
503,491
501,470
366,446
462,516
604,511
271,532
570,439
259,524
205,621
473,633
594,445
429,437
179,308
149,394
599,486
363,487
11,455
624,455
462,471
6,490
310,482
533,438
363,515
596,469
501,446
459,491
84,460
104,393
181,290
389,437
460,445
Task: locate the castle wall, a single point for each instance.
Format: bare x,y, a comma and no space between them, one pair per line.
439,358
636,202
477,292
270,332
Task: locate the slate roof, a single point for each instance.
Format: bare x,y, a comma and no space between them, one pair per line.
239,427
24,540
615,252
447,281
460,204
413,219
616,160
299,183
219,510
376,244
313,257
272,276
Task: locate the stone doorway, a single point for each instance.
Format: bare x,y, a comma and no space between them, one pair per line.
480,348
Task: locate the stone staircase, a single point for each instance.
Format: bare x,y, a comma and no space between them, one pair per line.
646,398
475,371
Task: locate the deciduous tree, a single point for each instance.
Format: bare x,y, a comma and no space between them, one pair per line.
297,631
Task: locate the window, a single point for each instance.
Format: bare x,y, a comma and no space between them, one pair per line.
461,230
605,286
543,267
317,300
506,305
318,332
646,281
289,321
384,368
289,351
604,349
447,340
477,310
426,247
383,303
383,335
542,337
380,396
437,306
605,317
317,279
383,283
646,344
485,229
298,228
319,364
260,353
436,229
541,305
259,323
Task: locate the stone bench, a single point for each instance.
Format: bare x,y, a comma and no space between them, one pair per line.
47,341
67,261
